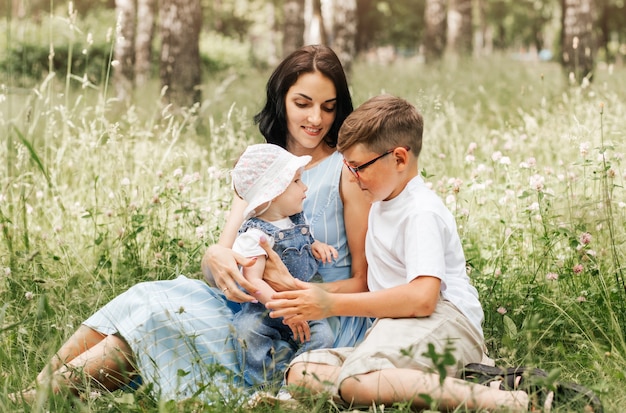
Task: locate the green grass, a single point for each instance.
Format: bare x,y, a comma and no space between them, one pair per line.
95,197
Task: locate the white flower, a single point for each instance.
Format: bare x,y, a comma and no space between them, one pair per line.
200,232
29,295
125,182
537,182
584,148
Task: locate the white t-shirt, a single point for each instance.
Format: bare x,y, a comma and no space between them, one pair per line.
247,244
415,234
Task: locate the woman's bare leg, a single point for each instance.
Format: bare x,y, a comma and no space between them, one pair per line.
105,359
403,385
107,364
82,340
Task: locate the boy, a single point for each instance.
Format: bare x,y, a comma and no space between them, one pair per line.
419,291
267,177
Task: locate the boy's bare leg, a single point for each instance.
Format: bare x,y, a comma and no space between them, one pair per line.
400,385
313,377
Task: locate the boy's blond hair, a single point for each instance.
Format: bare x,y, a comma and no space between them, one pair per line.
382,123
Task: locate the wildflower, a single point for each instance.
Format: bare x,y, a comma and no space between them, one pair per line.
585,238
584,148
125,182
501,310
115,63
7,271
450,199
581,299
578,268
177,172
505,160
213,172
533,207
472,147
496,156
537,182
552,276
200,232
29,295
469,158
442,156
497,273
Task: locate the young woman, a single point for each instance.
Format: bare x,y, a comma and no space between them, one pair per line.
177,334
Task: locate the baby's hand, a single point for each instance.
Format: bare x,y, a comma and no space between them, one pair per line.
301,331
324,252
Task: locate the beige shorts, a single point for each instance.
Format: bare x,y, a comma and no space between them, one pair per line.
401,343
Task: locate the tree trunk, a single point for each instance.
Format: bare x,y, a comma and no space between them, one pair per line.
460,31
180,23
577,39
344,31
435,32
124,49
314,32
293,30
146,10
363,31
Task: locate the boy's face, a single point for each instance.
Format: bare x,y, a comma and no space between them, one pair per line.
381,180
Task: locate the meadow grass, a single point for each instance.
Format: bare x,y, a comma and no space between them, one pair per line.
96,196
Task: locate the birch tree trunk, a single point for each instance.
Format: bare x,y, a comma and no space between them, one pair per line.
293,30
577,39
435,33
344,25
460,31
146,11
180,24
124,49
314,32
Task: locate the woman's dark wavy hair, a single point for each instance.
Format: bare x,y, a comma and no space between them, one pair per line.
272,119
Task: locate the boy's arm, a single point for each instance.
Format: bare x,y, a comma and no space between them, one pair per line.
416,299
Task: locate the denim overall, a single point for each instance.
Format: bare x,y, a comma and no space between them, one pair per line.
265,345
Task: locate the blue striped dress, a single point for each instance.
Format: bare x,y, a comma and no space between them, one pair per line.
180,330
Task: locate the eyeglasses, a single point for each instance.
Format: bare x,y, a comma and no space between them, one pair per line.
355,169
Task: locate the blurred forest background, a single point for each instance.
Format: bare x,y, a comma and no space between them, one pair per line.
180,42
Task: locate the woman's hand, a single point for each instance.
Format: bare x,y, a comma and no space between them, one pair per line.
310,302
220,268
276,273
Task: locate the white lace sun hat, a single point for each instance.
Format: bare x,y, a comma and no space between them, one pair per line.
263,172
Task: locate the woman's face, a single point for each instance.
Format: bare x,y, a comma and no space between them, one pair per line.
311,108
